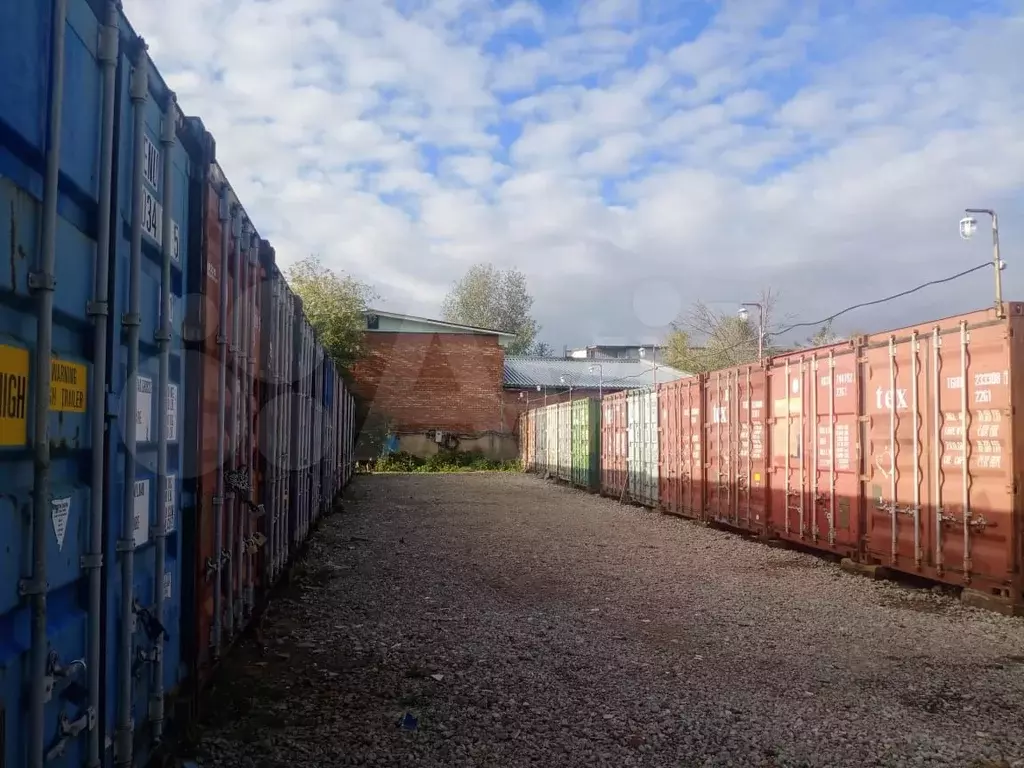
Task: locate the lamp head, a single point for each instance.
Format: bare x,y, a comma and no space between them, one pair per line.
968,226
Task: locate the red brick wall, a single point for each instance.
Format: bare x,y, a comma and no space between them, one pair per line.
422,381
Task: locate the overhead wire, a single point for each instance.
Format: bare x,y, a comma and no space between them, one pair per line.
894,296
861,305
610,383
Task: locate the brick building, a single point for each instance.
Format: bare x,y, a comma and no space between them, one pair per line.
434,382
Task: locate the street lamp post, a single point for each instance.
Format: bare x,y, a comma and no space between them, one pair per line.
600,379
760,325
968,226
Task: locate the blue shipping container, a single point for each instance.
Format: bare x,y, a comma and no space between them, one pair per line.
96,646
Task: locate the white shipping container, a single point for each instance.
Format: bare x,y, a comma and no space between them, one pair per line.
642,422
563,469
552,439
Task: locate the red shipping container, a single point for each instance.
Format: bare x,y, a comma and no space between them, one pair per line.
680,447
614,447
940,493
736,467
814,473
234,562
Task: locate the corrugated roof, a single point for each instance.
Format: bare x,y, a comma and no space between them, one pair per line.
529,372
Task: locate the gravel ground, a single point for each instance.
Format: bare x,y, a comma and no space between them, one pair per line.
523,624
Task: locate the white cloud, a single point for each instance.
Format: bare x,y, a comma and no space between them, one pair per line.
828,155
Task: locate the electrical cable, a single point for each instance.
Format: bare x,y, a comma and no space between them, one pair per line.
899,295
823,321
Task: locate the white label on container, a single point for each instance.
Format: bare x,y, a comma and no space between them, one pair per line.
169,515
152,222
140,513
172,412
144,409
150,162
167,585
60,510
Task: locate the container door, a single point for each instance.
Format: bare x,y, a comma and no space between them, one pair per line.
792,511
939,496
69,407
633,437
541,431
614,445
564,441
721,481
834,485
679,448
151,662
894,374
649,493
578,445
972,527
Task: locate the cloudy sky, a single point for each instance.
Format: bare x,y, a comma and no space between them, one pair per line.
630,156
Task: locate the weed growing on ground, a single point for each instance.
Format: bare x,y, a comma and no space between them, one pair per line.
443,462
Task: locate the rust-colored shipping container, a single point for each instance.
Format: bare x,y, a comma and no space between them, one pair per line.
614,444
680,448
735,463
938,439
896,449
224,345
814,475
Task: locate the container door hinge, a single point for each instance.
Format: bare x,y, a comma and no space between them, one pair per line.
110,406
69,729
96,308
91,561
41,281
29,587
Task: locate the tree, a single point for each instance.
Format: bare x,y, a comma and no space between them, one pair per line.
822,337
542,349
493,298
335,305
728,339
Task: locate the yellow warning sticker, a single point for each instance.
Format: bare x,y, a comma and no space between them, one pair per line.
67,386
13,395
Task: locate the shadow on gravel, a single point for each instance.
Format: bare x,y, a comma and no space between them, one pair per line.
248,695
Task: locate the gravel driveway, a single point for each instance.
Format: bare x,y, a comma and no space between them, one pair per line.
522,623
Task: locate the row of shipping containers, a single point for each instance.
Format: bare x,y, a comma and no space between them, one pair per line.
563,440
895,449
170,426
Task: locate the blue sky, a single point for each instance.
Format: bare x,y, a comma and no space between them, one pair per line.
630,156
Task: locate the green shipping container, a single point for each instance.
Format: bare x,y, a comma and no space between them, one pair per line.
586,443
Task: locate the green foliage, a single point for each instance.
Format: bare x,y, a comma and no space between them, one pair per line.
444,462
488,297
335,305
